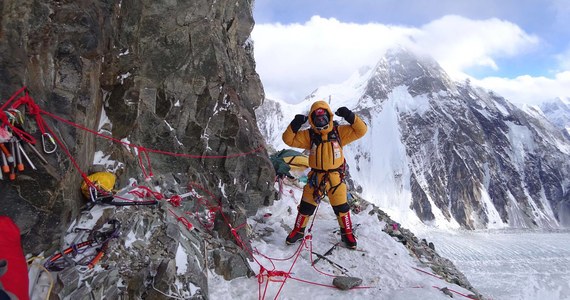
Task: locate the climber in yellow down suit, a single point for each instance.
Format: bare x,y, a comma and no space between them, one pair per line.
325,140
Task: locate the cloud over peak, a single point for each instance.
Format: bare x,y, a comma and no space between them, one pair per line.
294,59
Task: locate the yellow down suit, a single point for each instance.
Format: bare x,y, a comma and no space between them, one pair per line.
326,158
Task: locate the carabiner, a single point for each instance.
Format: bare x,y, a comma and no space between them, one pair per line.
44,144
15,116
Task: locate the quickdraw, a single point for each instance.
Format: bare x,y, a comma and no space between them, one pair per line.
81,254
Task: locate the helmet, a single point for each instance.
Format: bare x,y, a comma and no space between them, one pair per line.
320,118
102,180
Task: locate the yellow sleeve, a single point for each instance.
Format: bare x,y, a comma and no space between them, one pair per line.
351,133
301,139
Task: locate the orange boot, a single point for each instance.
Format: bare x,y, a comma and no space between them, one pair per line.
346,235
298,231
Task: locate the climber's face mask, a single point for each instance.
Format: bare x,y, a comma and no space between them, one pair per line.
320,118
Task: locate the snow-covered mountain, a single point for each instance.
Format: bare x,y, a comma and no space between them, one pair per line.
558,112
443,153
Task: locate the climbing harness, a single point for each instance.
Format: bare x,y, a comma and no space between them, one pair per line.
319,187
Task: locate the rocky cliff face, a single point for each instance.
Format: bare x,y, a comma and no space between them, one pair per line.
176,76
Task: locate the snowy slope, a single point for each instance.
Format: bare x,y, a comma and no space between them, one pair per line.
558,112
510,264
384,265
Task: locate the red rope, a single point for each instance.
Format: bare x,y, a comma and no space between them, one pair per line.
279,181
259,282
278,274
276,259
218,208
454,291
149,149
145,164
313,264
140,151
441,278
75,164
32,109
428,273
148,193
146,169
193,185
22,134
12,98
183,220
175,200
289,271
330,286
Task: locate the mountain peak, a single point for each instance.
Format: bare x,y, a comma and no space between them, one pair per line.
557,111
404,67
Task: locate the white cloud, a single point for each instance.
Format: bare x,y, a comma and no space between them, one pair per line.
294,59
458,43
529,90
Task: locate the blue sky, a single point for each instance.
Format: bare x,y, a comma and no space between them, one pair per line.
518,48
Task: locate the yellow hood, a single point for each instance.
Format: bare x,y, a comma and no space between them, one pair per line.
324,105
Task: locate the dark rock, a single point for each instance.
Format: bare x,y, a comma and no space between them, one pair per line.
346,282
173,76
160,283
68,280
173,231
177,77
82,293
136,284
136,265
446,291
231,265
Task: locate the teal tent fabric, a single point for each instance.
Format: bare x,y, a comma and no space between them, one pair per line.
280,159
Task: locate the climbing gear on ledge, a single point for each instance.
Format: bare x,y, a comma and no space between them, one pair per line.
87,253
12,158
